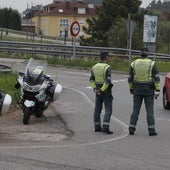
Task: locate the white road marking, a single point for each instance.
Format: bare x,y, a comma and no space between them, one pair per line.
163,119
117,81
122,124
123,135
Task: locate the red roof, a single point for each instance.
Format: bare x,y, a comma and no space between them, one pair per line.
67,8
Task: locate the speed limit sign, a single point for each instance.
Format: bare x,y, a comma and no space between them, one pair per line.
75,28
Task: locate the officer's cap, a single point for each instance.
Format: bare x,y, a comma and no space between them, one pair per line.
144,52
145,49
103,54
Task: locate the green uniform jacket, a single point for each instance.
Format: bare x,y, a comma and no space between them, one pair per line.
144,77
100,78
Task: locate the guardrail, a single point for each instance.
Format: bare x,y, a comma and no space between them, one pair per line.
67,50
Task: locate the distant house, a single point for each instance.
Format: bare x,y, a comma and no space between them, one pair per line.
55,19
27,25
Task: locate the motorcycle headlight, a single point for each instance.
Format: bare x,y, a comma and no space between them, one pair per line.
32,88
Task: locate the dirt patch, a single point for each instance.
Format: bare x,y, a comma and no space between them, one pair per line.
50,129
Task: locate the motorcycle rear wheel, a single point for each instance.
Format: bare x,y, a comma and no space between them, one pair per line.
27,115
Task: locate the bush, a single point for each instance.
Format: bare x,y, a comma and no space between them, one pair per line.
8,81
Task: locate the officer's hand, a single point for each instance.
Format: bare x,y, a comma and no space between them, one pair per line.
131,91
156,94
98,92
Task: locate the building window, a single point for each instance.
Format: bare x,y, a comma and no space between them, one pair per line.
60,10
81,10
44,21
64,23
62,33
81,22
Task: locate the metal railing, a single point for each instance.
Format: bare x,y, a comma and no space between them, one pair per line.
67,50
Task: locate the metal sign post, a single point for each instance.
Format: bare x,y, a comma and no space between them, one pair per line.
74,29
130,26
74,47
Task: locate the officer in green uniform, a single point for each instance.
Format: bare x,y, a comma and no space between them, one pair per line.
144,84
100,81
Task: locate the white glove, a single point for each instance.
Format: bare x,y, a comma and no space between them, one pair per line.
156,94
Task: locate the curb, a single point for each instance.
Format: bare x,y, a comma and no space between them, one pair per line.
5,68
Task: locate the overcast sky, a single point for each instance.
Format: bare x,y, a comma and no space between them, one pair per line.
21,5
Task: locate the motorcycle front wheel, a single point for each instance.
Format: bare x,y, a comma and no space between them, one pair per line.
27,115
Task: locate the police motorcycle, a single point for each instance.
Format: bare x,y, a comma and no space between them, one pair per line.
38,89
5,102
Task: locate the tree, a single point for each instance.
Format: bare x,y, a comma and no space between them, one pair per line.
4,15
99,29
117,34
14,16
29,12
159,5
10,19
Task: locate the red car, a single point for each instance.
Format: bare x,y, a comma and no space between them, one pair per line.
166,92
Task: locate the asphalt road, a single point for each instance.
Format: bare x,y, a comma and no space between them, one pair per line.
66,140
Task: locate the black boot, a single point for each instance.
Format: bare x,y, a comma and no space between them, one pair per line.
109,132
97,128
131,130
152,132
106,130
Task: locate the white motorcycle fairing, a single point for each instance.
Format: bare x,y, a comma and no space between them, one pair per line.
6,103
29,103
38,89
57,92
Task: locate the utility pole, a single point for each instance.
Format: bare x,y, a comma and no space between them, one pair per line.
27,22
168,41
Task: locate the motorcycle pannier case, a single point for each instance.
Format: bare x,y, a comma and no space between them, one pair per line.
5,102
57,92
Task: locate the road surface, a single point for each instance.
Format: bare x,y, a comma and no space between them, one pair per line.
67,141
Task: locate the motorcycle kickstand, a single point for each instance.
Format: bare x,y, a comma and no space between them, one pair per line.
44,117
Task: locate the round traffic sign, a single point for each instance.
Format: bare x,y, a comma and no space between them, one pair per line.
75,28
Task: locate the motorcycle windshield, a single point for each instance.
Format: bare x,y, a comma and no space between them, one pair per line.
36,65
35,70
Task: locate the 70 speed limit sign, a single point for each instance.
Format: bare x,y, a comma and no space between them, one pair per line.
75,28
